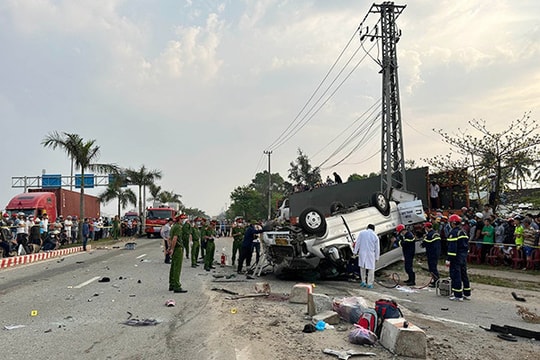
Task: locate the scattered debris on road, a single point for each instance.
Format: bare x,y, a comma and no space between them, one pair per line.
517,298
345,355
143,322
528,315
13,327
225,291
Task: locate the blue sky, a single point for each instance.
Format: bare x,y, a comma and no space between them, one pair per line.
199,89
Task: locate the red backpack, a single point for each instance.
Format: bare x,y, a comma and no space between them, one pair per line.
368,319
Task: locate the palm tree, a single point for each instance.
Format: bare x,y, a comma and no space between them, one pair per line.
83,154
155,190
142,178
114,191
520,165
170,197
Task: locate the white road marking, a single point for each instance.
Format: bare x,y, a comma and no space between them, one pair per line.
441,319
86,282
140,256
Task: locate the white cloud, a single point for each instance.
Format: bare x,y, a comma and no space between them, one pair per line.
219,81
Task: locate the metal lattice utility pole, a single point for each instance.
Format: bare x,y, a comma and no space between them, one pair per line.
269,186
392,156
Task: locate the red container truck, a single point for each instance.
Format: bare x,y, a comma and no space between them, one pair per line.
54,202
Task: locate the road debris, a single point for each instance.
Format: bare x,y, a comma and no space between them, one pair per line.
518,298
507,337
143,322
225,291
527,315
13,327
104,279
345,355
236,297
170,303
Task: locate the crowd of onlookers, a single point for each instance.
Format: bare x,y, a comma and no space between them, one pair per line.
495,239
25,234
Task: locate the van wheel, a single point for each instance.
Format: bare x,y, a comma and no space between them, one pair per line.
312,221
381,203
335,207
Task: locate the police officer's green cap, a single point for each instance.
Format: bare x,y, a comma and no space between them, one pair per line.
253,222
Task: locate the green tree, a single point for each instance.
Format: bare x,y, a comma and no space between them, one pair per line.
301,171
355,176
154,190
170,197
499,148
142,178
115,191
277,186
247,202
83,154
520,168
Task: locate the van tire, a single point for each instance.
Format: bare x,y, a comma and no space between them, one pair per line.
381,203
336,207
312,221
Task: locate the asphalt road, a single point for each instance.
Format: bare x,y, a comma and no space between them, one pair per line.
67,313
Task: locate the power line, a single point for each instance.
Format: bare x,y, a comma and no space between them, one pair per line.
377,103
368,135
288,132
307,118
316,90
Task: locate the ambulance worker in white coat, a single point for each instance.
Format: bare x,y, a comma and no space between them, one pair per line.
368,250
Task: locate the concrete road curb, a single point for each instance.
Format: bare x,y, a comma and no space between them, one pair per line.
30,258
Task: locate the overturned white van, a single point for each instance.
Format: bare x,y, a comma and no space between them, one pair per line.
326,244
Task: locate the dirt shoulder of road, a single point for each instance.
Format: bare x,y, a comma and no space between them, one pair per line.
271,327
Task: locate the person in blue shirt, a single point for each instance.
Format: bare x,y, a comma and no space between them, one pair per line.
247,246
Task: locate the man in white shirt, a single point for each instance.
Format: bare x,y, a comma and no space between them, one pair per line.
68,223
434,195
368,249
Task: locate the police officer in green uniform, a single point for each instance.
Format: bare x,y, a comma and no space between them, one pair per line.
176,250
195,237
209,234
186,236
237,233
203,237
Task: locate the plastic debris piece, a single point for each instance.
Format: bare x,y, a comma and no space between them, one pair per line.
234,311
309,328
104,279
13,327
139,281
170,303
320,325
33,313
143,322
518,298
48,330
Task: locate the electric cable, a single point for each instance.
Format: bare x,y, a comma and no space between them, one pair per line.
307,118
316,90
